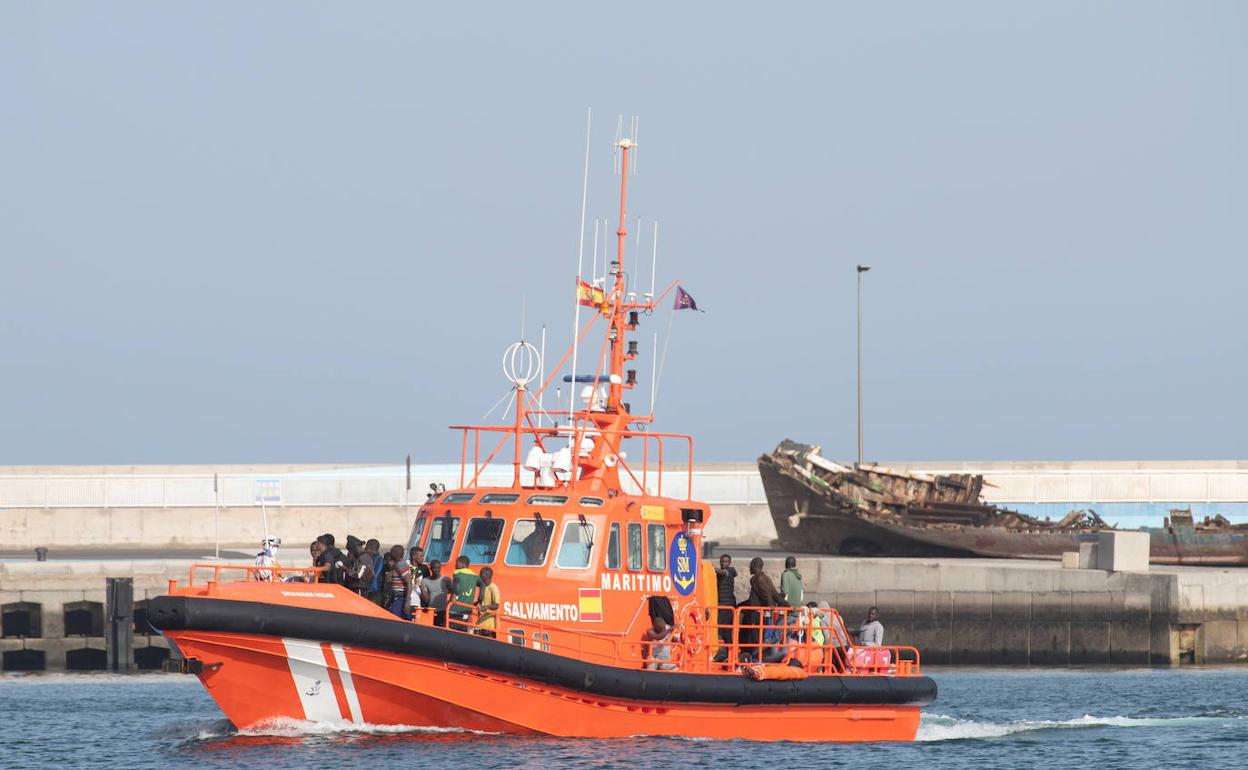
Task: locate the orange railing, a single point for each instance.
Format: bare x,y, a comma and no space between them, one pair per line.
755,634
236,572
471,467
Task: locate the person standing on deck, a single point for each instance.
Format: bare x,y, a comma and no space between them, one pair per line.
725,579
438,586
791,583
398,583
373,549
763,593
267,558
491,600
871,632
794,593
467,587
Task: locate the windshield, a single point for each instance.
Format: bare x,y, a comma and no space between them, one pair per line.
442,538
481,540
530,539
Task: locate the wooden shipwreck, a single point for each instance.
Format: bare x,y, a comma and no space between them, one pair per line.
825,507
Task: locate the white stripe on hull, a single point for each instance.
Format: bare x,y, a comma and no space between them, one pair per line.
344,673
316,690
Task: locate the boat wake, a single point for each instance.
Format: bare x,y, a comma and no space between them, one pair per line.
938,727
220,730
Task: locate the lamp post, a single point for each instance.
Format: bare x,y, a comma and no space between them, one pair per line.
861,269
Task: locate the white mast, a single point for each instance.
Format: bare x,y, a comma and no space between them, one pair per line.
580,261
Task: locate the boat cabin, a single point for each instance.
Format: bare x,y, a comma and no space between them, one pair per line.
585,561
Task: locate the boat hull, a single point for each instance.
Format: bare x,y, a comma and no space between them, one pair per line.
430,677
824,527
262,679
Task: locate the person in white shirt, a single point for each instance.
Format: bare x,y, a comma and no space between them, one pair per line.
267,558
871,632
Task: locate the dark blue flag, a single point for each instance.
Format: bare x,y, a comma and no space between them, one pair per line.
684,300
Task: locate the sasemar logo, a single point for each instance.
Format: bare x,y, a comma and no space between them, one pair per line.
683,564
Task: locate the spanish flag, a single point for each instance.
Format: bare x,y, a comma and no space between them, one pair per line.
590,604
589,295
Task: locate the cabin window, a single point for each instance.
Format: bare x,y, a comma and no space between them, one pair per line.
530,540
481,540
590,502
442,538
634,547
546,500
613,547
499,498
456,498
577,544
418,529
656,550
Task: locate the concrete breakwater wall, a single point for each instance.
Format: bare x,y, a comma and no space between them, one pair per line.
997,612
197,506
243,526
55,616
975,612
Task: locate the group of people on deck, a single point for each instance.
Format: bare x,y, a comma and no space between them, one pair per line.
403,583
758,629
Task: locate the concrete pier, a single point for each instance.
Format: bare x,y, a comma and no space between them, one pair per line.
55,615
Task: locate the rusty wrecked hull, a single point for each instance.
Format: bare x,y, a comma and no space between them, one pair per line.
822,507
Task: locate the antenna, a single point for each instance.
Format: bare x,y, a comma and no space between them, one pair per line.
636,124
595,262
541,377
605,235
637,227
654,260
580,251
619,134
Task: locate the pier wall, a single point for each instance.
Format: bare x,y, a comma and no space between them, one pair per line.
66,604
175,506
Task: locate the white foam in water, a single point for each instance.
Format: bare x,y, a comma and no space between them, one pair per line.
294,728
937,727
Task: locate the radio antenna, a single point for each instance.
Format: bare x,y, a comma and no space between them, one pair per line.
605,246
654,260
637,240
619,134
580,255
595,260
541,375
633,155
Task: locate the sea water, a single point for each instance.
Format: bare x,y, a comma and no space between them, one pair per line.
1090,718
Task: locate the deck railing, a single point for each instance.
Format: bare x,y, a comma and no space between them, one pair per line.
813,640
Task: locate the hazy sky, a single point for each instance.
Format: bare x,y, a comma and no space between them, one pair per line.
294,231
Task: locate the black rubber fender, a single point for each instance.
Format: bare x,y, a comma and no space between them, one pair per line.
192,613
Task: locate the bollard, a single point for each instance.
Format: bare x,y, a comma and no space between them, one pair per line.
41,554
119,629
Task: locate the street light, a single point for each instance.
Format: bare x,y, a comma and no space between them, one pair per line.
861,269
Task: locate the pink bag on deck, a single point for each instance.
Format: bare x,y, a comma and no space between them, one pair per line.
870,658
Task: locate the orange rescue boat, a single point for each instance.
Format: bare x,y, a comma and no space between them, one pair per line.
584,547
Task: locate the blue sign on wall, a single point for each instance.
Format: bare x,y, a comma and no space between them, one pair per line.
683,564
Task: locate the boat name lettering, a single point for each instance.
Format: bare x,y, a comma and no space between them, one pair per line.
310,594
541,610
615,581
